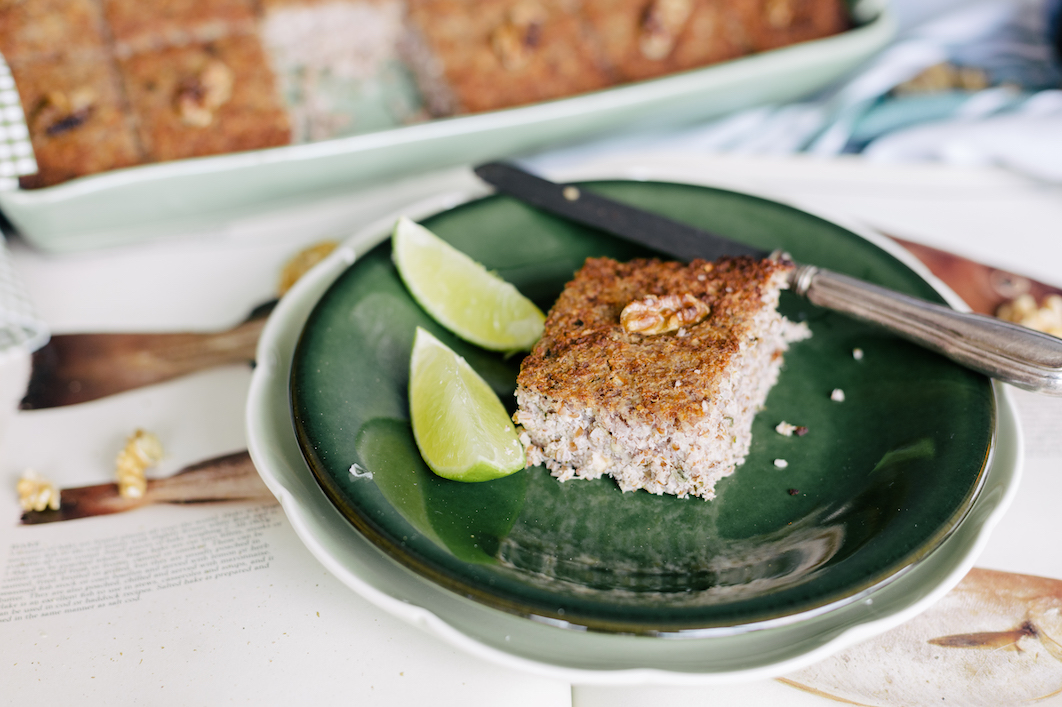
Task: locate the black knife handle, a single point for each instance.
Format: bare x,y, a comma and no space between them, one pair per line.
673,238
1008,352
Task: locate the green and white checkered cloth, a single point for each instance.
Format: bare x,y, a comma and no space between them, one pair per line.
20,327
16,152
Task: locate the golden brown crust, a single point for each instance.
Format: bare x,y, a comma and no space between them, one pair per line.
137,25
707,32
77,120
268,6
41,29
499,53
587,359
250,118
777,23
469,56
575,46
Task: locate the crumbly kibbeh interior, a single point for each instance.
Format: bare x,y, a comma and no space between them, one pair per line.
668,412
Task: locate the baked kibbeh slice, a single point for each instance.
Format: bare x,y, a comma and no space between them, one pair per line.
652,371
206,98
486,55
77,118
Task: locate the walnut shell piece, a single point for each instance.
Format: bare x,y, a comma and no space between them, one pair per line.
654,315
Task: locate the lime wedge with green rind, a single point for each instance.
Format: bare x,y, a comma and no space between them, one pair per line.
460,426
461,294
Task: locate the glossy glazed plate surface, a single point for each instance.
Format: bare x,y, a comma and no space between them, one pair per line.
191,195
879,481
580,657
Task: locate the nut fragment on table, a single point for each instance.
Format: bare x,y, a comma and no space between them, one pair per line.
302,262
36,493
142,451
198,97
1046,317
658,315
944,77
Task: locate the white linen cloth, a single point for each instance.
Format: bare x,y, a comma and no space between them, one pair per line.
1015,122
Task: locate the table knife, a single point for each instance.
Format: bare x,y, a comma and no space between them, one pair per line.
1013,354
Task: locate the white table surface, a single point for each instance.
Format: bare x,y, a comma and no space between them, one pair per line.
295,634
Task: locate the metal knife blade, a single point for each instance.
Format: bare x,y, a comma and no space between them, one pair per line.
1008,352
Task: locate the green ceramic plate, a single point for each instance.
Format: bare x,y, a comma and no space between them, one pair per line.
880,480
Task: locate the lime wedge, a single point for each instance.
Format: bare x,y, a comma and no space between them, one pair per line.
460,426
461,294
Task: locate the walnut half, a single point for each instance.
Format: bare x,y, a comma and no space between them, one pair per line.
515,41
199,96
1046,317
141,451
661,25
659,315
57,113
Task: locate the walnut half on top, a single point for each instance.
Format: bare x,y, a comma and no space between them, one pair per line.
660,315
665,413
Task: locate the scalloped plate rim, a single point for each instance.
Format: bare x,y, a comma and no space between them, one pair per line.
1002,472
